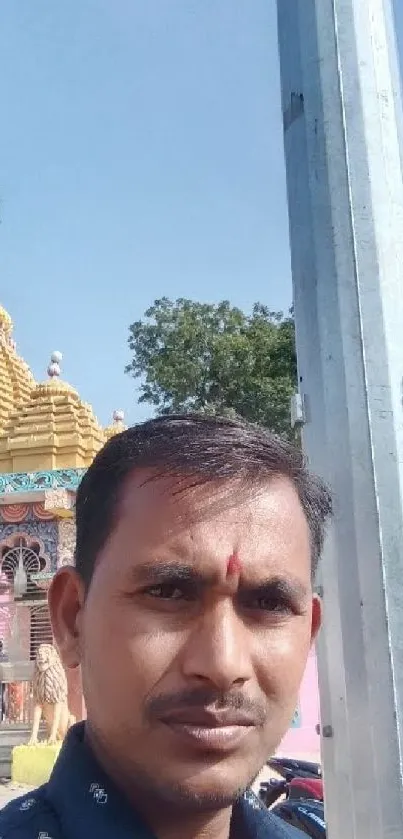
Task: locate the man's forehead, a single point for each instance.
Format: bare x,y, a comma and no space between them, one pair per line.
144,488
181,507
203,527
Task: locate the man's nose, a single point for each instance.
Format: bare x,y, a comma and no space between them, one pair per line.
218,650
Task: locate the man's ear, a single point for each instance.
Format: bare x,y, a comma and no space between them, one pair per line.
316,617
66,600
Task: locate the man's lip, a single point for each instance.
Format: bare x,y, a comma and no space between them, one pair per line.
211,739
202,718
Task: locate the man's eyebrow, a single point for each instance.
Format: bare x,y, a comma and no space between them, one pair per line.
162,572
288,588
283,588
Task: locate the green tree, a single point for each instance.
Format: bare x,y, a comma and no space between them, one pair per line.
193,356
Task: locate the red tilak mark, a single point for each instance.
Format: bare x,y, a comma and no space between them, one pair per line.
234,565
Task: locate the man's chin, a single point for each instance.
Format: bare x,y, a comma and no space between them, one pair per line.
207,791
191,798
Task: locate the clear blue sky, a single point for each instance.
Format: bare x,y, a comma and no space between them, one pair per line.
140,156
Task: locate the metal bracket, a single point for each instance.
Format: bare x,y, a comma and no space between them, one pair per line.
297,410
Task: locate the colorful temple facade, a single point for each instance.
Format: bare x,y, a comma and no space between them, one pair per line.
48,438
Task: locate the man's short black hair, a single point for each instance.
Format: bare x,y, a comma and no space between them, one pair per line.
204,449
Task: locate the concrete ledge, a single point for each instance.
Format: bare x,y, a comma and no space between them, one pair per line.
32,765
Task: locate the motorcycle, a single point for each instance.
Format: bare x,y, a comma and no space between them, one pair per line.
301,788
290,768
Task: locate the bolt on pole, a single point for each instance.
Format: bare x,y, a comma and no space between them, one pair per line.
343,138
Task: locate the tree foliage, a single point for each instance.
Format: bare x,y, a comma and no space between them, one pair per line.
193,356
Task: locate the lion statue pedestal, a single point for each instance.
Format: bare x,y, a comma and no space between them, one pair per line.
32,763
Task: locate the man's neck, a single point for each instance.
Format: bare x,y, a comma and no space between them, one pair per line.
188,826
165,821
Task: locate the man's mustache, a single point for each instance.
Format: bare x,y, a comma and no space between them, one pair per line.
203,698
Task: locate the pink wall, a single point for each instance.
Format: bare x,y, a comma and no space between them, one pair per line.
304,740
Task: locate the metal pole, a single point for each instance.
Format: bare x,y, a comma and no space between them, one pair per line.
343,135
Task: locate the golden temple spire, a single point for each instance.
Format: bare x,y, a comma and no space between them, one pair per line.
53,429
6,324
16,379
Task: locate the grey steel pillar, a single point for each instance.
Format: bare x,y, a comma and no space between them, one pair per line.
343,141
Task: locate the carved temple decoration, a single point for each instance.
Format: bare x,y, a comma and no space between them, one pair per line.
41,480
66,542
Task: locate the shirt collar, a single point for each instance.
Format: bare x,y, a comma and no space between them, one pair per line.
84,798
87,803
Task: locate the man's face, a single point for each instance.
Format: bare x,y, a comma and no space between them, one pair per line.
191,667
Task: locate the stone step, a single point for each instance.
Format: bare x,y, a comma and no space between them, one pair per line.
14,738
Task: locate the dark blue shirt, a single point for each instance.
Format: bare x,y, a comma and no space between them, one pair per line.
80,802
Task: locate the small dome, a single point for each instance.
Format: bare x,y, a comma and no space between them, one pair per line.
117,425
54,384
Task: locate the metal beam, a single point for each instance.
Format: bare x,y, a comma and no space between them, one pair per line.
343,135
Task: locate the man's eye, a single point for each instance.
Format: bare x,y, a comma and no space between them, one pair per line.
272,605
166,592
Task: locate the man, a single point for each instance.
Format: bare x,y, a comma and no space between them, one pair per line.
191,614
